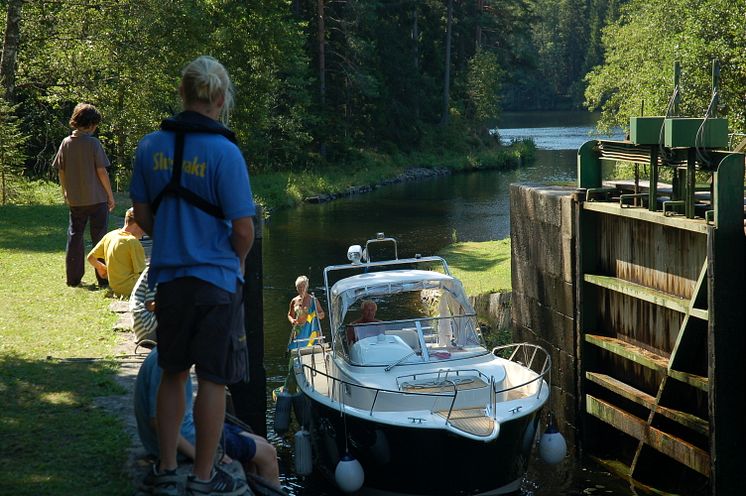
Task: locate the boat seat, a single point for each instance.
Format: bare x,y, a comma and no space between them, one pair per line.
408,336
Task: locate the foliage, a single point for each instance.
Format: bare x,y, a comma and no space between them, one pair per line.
484,85
12,155
125,57
565,44
383,73
640,50
54,436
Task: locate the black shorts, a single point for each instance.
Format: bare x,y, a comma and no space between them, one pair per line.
201,324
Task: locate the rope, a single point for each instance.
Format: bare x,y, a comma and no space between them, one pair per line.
702,155
669,109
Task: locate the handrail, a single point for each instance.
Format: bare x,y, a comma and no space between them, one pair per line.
453,401
545,368
516,348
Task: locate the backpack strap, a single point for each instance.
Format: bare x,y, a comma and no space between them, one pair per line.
174,187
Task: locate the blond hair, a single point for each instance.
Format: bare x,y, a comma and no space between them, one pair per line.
129,217
205,80
301,280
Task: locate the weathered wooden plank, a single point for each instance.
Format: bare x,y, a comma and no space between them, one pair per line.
646,358
699,313
697,381
683,452
695,225
629,351
641,292
648,401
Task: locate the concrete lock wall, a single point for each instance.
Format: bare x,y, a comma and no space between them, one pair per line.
543,300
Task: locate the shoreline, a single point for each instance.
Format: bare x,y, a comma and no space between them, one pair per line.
411,174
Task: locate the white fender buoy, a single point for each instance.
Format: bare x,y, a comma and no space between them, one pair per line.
552,446
303,456
349,474
282,412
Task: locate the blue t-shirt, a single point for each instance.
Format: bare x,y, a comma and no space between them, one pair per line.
188,242
146,392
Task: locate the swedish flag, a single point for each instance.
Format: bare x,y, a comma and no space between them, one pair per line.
309,332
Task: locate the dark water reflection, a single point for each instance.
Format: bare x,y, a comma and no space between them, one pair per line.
424,217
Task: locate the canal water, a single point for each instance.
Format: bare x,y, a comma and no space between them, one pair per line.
424,216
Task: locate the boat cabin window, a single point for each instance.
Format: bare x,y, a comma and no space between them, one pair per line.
410,329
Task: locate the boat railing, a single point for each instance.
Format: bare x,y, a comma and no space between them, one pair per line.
530,356
320,345
335,385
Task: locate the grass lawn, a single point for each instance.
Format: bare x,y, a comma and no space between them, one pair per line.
483,267
54,440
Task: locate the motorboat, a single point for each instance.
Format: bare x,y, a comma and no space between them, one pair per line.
414,395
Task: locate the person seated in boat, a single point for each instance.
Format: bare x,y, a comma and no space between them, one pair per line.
254,452
355,331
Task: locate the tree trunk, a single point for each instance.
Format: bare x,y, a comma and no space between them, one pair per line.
416,56
322,67
478,34
322,56
10,49
447,76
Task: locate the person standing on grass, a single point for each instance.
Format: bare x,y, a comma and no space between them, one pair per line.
81,165
190,190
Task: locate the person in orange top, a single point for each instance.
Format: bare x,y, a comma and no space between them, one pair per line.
120,257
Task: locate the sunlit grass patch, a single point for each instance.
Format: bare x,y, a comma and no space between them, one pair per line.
483,267
54,439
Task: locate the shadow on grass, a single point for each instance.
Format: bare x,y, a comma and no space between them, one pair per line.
35,228
473,262
55,441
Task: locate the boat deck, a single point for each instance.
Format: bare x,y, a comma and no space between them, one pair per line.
444,386
472,420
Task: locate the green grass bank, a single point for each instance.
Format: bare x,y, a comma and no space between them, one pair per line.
288,188
482,267
54,439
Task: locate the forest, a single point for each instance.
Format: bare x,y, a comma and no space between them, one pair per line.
321,82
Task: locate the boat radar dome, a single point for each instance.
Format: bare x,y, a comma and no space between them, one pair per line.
355,254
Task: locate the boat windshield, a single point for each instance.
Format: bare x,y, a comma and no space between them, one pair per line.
409,327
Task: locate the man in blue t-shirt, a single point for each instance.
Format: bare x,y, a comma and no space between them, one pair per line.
197,263
254,452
